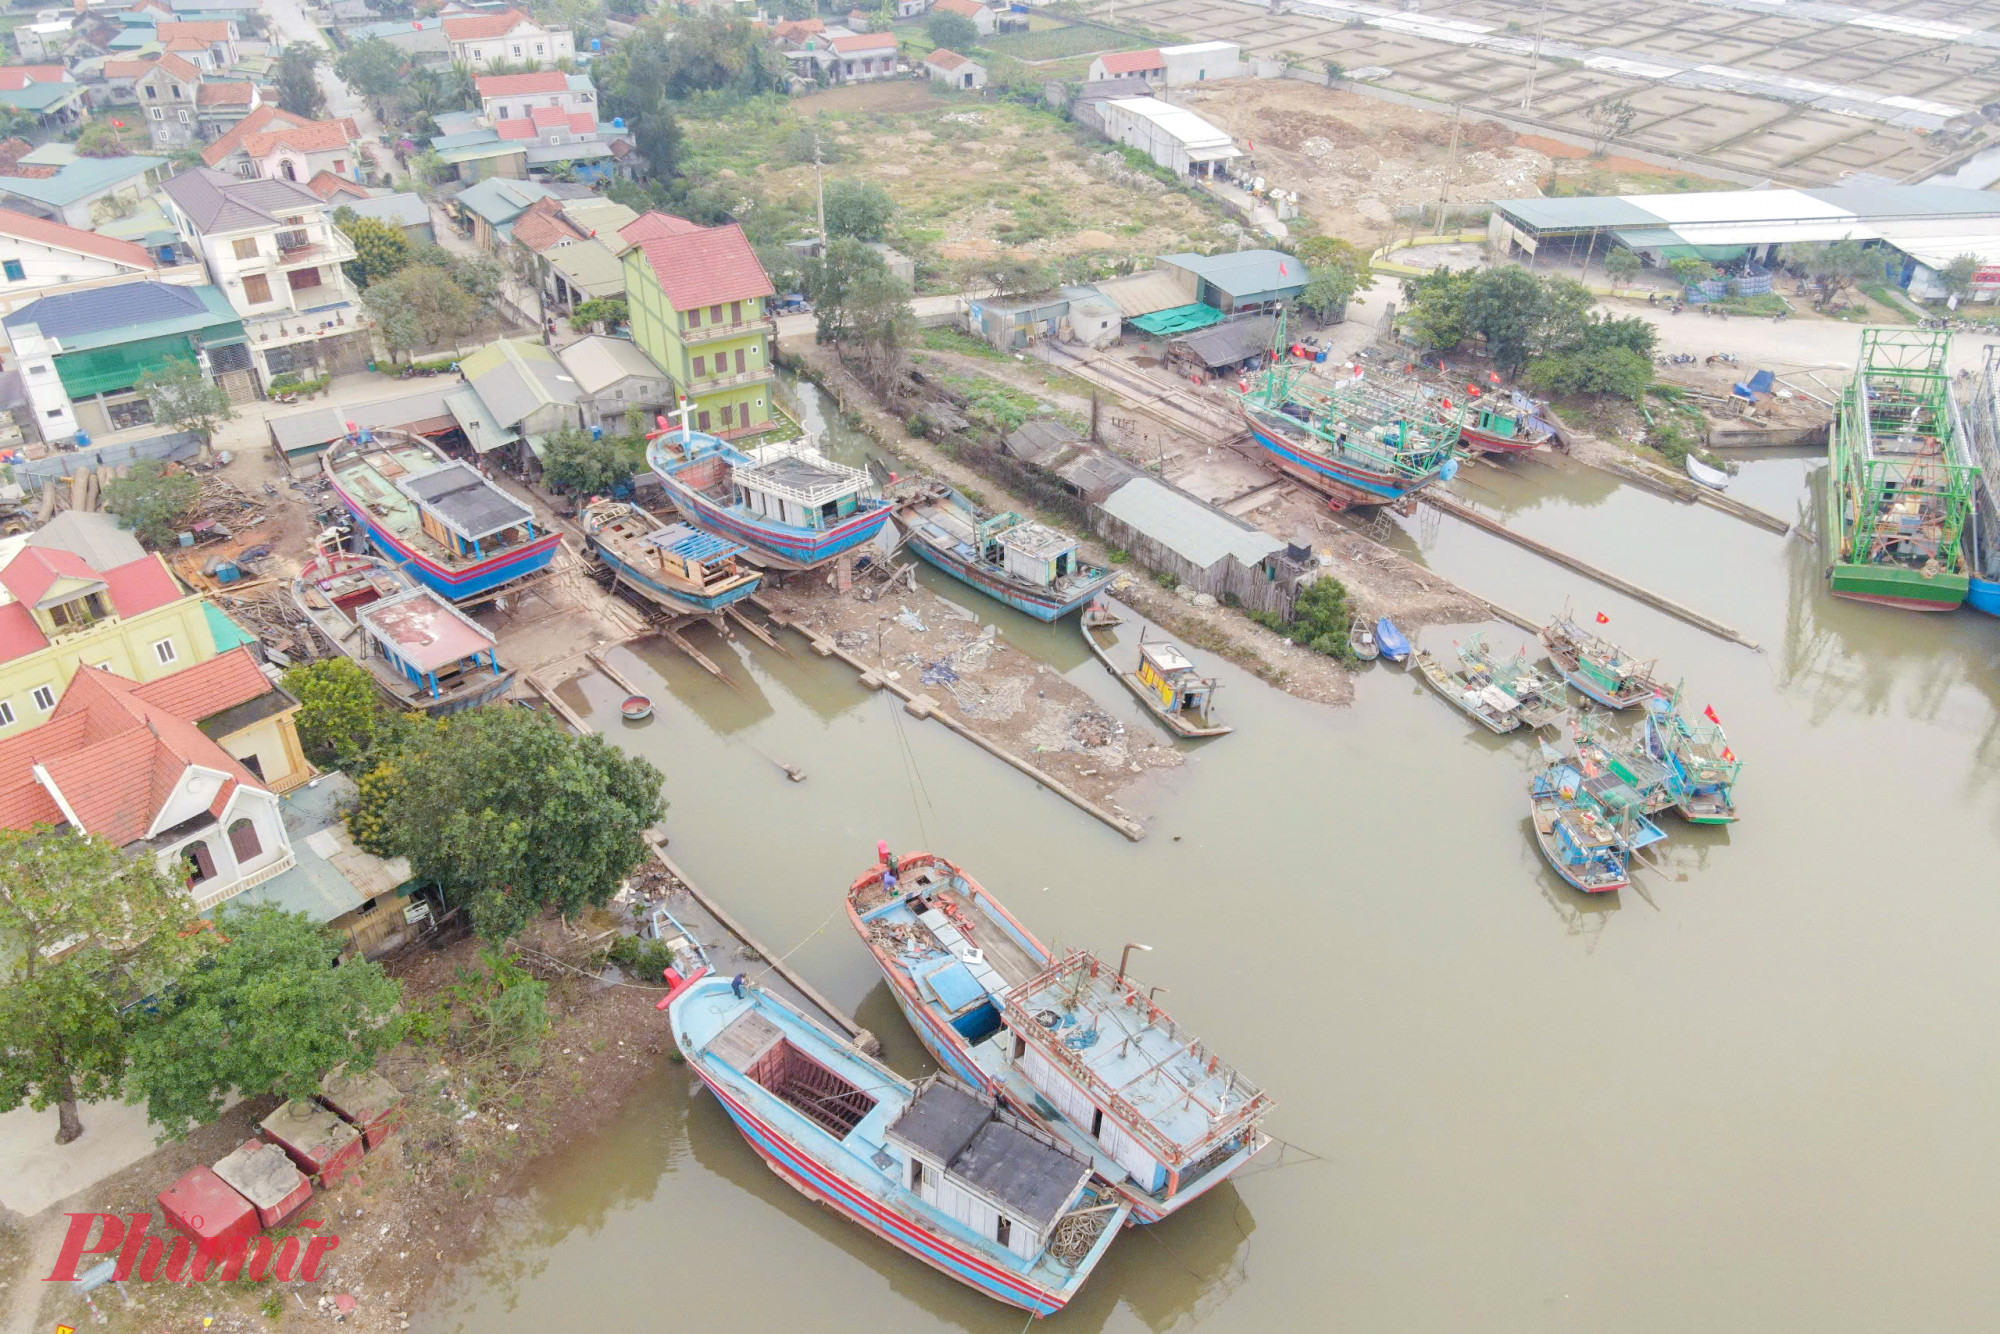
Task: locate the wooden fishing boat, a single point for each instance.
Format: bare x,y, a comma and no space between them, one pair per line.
986,1000
422,652
1361,641
933,1168
1487,705
1597,667
1027,565
436,517
1713,478
1164,679
1539,700
1575,839
789,505
678,566
1705,769
1623,775
1394,644
1491,428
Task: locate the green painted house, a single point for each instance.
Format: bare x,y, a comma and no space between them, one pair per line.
699,306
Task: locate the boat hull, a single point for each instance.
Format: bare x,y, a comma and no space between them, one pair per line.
800,548
1895,586
1596,692
673,597
1983,595
1385,487
460,582
1021,597
1488,443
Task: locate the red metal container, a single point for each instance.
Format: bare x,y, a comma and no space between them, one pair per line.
323,1145
263,1175
365,1101
209,1210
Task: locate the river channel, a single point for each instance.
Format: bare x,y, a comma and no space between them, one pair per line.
1753,1092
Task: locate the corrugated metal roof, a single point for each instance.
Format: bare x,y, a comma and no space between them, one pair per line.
1144,293
1200,534
1225,344
1245,273
1582,212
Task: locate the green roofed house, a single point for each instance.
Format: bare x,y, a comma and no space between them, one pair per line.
516,392
1243,282
81,353
79,191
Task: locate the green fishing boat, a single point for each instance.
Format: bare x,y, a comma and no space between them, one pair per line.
1898,486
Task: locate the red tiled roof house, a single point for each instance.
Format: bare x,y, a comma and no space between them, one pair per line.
698,302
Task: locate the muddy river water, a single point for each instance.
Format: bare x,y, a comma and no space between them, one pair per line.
1753,1092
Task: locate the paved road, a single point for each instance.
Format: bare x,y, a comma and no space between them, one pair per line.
289,17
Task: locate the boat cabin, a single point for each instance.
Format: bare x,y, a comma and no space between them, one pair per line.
434,645
794,485
680,552
1033,552
1114,1064
442,506
1168,673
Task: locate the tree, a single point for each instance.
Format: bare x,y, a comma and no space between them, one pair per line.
297,78
1832,266
1690,270
1611,119
374,69
658,137
1434,309
1320,618
1603,370
420,305
154,503
582,466
266,1013
955,32
1631,333
110,138
581,17
858,209
380,248
713,51
510,815
828,280
1328,291
84,932
1957,276
1622,266
336,718
1507,305
1335,72
880,324
185,399
608,311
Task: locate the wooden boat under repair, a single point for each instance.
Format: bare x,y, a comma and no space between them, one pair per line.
1081,1053
933,1168
1164,679
1597,667
422,652
1030,566
1487,705
676,565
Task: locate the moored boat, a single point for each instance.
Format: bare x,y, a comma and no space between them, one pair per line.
955,961
1597,667
1575,839
1539,700
1164,679
1361,641
1395,645
1704,767
1027,565
1982,423
1486,705
933,1168
1713,478
436,517
675,565
1491,428
422,652
790,505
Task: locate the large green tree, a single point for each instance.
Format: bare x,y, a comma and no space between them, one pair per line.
582,466
185,399
420,306
860,209
265,1013
85,932
380,248
715,51
954,32
337,709
1957,276
1832,267
374,69
510,816
154,503
297,79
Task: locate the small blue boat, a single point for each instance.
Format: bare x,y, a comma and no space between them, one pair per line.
1575,838
1027,565
1983,595
1394,646
933,1169
676,565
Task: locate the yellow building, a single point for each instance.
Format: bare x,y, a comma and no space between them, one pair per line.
698,302
81,592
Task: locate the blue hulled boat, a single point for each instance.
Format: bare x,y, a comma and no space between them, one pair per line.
1083,1054
790,505
1982,435
1394,645
1029,566
1576,839
934,1169
676,565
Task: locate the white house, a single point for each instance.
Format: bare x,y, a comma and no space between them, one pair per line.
982,17
859,57
954,70
1199,62
1148,65
1172,136
517,96
39,256
481,39
40,41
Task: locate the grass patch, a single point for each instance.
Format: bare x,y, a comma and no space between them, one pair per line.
1885,297
1765,304
943,339
1057,43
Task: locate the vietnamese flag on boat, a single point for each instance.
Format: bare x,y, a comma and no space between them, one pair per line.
1602,619
1728,755
1709,713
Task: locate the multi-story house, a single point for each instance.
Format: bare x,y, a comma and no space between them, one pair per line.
272,248
167,93
481,40
274,144
209,44
39,256
698,303
505,97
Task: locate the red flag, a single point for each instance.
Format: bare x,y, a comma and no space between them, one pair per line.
1728,755
1493,376
1709,713
1602,619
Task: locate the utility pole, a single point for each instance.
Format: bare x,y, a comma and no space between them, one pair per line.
1450,168
1535,55
819,185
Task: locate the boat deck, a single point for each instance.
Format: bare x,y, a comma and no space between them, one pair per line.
950,921
382,477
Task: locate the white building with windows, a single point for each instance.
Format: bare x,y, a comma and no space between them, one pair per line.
517,97
482,39
272,248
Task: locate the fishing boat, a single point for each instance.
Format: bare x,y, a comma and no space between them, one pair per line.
436,517
1164,679
1539,700
790,505
1394,644
1622,774
1982,422
675,565
1597,667
932,1168
1487,705
1704,768
1715,479
1577,841
422,653
1027,565
1361,641
986,1000
1360,441
1492,428
1898,488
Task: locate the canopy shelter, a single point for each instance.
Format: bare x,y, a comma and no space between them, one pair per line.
1178,320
